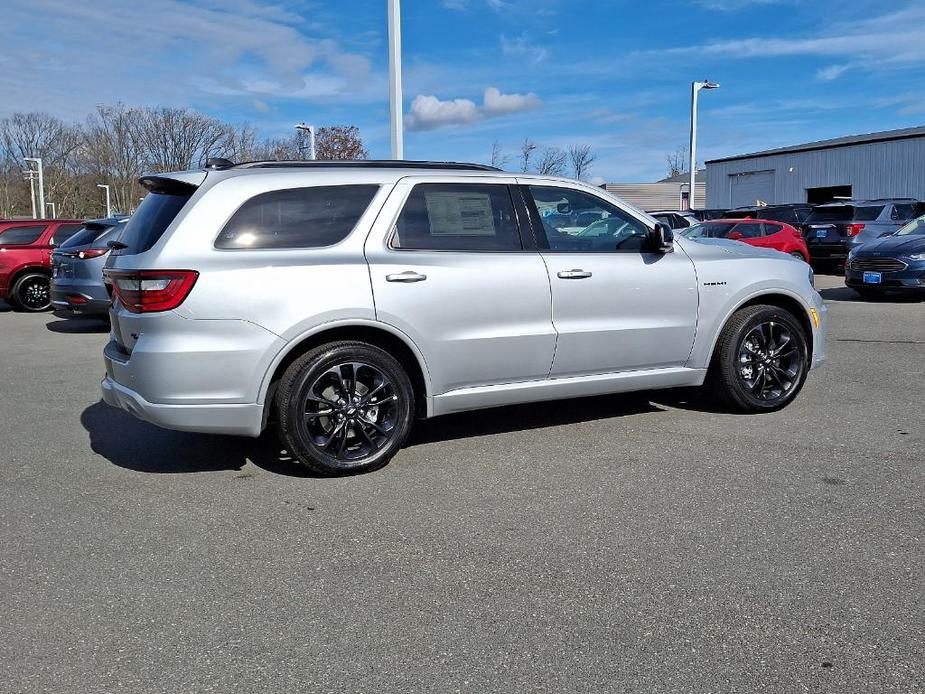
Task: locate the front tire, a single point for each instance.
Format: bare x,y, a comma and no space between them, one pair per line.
344,408
761,360
32,293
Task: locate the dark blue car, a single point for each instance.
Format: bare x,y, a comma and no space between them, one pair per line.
889,263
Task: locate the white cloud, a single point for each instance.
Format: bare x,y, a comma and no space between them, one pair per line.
831,72
521,46
733,5
428,112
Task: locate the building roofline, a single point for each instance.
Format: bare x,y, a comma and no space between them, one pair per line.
883,136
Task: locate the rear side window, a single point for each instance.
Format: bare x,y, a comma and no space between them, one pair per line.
87,235
150,221
64,232
297,217
458,217
867,214
21,236
903,211
749,230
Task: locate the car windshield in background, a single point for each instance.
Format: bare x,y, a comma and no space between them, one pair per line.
150,221
87,235
707,230
916,226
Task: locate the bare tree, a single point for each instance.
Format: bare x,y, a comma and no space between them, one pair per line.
552,162
677,162
498,158
179,138
112,154
581,158
336,142
526,152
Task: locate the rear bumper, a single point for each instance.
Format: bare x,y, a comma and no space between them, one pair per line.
828,251
238,420
95,298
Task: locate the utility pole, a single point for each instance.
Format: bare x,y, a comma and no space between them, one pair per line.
395,100
108,206
52,206
29,175
695,87
38,163
302,128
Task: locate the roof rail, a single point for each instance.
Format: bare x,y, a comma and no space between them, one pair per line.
367,164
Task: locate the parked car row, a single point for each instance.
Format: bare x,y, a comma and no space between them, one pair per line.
877,240
56,262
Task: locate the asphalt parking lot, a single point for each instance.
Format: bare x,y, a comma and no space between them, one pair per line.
609,544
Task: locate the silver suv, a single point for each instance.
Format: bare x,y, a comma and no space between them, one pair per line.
339,301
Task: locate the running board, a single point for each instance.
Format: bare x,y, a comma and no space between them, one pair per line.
561,388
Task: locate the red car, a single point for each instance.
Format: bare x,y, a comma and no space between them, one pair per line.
765,233
25,259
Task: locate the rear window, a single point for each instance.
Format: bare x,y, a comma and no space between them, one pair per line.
841,213
86,236
64,232
867,214
150,221
297,217
22,235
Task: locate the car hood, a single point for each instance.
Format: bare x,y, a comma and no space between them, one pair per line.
736,248
894,245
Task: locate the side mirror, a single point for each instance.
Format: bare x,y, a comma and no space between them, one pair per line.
734,235
661,238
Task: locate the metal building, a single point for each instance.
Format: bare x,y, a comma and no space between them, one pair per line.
877,165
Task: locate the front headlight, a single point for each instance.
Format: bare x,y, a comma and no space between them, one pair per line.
917,256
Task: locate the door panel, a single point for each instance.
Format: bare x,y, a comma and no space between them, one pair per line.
480,317
615,306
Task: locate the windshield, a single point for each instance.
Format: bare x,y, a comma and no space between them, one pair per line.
916,226
150,221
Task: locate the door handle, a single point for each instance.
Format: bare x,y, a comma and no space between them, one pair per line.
573,274
406,276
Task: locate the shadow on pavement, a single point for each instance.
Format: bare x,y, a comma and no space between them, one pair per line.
848,294
136,445
78,325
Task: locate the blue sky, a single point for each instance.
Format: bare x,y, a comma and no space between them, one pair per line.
611,73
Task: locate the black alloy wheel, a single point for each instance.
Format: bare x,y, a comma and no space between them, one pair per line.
32,292
345,407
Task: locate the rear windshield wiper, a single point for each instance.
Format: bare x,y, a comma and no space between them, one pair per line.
116,245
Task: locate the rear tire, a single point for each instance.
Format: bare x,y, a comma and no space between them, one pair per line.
344,408
760,361
32,293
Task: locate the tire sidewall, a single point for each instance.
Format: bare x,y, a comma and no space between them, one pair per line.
730,357
18,288
290,423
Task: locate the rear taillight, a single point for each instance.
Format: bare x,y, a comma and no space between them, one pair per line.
92,253
854,229
150,291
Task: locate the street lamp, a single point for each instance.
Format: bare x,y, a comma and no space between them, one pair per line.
38,164
108,206
398,145
695,87
310,129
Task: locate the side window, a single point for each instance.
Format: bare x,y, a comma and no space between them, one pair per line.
457,217
297,217
749,230
903,211
64,232
771,229
21,236
612,231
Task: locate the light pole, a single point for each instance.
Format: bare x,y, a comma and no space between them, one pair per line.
395,106
29,175
695,87
52,206
38,164
310,129
108,206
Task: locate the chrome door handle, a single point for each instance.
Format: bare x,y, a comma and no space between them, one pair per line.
573,274
406,276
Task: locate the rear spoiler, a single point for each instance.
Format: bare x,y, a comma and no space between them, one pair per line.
174,183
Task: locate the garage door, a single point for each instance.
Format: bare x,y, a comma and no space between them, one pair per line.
752,188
